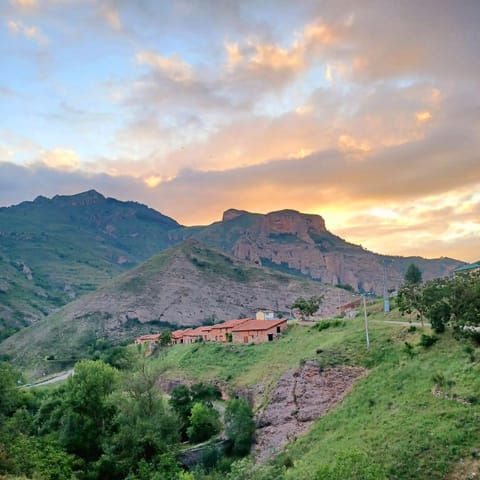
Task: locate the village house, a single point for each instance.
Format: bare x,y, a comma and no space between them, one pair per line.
265,315
147,339
177,336
194,335
218,333
258,331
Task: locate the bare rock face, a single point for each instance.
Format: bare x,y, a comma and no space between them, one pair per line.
231,214
301,242
300,397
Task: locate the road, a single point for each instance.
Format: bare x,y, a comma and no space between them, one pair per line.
57,378
405,324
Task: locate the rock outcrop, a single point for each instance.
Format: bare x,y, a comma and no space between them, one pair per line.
299,398
297,242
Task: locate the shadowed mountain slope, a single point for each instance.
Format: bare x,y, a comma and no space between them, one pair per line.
181,286
52,250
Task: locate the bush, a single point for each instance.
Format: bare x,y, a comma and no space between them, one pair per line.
428,340
204,423
239,426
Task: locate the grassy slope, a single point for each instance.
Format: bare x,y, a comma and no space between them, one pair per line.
391,414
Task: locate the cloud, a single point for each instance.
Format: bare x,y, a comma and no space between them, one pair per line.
112,17
61,159
17,27
24,4
172,67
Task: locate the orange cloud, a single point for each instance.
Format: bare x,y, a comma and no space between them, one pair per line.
61,159
173,67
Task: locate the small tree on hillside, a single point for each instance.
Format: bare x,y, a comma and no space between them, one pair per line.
413,275
410,294
308,307
239,426
204,423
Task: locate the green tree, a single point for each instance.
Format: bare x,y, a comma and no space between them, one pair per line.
239,426
9,393
413,275
308,307
205,393
204,423
87,414
144,432
181,401
165,338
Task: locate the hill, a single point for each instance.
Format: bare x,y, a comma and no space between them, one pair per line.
181,286
415,413
53,250
301,244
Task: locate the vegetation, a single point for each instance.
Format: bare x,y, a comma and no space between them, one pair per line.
414,416
446,302
309,306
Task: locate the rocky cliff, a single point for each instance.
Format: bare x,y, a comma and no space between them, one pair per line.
300,243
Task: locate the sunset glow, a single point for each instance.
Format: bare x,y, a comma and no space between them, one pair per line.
366,113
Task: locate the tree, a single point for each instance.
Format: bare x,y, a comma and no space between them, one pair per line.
308,307
204,423
413,275
239,426
144,429
181,402
9,393
87,414
165,338
409,297
205,394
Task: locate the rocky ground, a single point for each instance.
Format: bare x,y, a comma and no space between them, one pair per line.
299,398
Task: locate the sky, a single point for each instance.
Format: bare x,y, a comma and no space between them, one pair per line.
366,112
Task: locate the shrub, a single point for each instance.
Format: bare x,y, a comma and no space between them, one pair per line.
428,340
204,423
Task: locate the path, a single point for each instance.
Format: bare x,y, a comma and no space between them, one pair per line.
57,378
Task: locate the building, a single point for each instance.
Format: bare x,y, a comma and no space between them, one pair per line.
258,331
218,333
153,338
265,315
196,334
177,336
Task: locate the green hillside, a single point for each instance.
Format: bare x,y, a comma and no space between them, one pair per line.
53,250
391,416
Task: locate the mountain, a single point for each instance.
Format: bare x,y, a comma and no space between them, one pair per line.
301,244
181,286
52,250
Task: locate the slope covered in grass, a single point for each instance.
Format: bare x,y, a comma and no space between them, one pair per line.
391,416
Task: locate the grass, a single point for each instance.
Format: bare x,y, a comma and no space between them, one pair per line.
391,414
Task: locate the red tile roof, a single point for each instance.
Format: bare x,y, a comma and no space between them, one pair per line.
198,331
230,323
258,325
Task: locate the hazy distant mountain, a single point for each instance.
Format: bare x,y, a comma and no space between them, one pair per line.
52,250
300,243
181,286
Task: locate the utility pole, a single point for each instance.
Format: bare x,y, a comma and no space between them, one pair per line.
366,321
386,300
